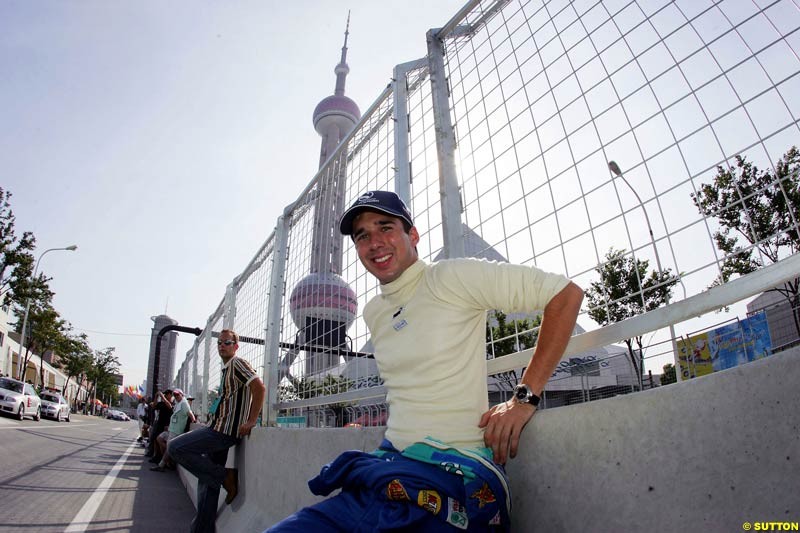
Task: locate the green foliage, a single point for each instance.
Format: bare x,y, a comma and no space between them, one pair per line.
74,357
669,375
625,290
757,206
510,337
506,338
46,329
758,210
16,257
303,388
100,374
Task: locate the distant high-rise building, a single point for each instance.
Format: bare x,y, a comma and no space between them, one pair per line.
780,317
166,366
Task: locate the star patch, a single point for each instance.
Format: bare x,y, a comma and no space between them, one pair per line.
484,495
430,501
396,492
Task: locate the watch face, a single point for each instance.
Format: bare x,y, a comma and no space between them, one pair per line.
521,394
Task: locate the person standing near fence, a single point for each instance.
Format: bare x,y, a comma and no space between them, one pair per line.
440,466
162,409
141,416
204,451
182,417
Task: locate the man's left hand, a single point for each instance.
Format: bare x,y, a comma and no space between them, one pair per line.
245,428
504,424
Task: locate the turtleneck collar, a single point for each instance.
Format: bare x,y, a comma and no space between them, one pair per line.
408,278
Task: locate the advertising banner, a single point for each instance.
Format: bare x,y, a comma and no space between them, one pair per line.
724,347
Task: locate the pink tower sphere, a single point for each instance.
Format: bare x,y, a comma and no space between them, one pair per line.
323,296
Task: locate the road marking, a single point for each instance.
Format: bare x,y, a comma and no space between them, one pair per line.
45,426
84,517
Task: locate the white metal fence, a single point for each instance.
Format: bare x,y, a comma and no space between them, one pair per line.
541,133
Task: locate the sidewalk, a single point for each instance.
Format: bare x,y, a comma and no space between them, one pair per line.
162,503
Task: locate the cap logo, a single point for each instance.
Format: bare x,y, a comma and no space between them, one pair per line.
368,198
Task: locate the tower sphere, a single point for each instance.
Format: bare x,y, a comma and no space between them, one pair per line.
323,296
338,111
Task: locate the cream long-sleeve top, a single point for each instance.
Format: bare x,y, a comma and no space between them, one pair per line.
428,328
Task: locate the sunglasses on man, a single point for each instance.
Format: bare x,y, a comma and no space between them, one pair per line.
226,343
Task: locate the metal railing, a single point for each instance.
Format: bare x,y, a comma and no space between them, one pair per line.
541,133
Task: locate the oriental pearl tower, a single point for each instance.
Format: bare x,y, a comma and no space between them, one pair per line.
323,306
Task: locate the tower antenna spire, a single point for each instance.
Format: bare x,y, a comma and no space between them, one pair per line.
342,70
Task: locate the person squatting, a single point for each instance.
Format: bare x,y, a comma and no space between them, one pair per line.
440,466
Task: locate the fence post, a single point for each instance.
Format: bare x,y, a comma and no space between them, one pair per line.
402,128
229,308
206,366
272,327
449,190
195,376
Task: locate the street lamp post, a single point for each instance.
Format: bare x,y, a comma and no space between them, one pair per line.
617,172
20,370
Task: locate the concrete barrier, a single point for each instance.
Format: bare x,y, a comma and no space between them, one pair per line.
708,454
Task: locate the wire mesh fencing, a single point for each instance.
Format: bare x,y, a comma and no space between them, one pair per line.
642,148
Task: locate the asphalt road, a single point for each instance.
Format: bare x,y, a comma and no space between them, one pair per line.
84,475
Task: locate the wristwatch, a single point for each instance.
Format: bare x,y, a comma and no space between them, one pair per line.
524,394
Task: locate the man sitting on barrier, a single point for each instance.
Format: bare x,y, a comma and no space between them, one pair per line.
440,464
204,451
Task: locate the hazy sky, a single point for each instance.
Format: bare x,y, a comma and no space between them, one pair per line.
165,138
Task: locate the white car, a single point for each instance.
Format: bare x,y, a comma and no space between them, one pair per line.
54,406
19,399
117,415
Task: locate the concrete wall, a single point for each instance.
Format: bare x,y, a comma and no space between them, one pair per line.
706,454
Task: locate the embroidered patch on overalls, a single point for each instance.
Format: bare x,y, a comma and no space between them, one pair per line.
484,495
452,468
395,491
456,514
430,501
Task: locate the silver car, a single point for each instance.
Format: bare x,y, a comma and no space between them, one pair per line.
54,406
19,399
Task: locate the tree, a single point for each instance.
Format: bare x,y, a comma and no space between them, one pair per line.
16,257
101,373
510,337
44,330
303,388
75,359
759,208
625,290
669,375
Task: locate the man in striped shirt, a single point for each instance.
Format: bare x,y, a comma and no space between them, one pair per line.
203,452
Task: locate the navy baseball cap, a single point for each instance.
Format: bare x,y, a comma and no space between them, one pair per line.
381,201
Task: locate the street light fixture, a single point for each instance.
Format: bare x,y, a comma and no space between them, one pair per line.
70,248
616,171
